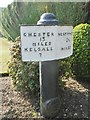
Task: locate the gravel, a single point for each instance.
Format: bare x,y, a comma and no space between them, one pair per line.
74,101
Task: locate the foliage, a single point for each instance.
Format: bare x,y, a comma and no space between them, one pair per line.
24,74
81,55
15,14
29,12
70,13
65,68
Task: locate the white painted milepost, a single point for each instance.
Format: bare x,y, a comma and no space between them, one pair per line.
45,43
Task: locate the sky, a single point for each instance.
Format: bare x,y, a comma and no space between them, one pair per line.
4,3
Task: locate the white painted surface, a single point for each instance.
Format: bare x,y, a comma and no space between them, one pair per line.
44,43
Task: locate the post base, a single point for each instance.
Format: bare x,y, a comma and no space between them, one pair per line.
51,107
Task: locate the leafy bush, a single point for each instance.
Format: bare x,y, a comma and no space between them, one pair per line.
65,68
24,74
29,13
81,55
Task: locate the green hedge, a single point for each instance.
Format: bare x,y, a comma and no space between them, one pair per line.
81,55
24,74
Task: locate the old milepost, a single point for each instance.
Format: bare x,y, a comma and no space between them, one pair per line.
47,42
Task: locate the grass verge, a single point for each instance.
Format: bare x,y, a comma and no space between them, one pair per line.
4,55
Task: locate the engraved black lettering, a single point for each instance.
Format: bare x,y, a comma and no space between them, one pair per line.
40,39
43,38
39,34
46,44
33,44
64,33
52,34
51,48
69,47
26,49
62,48
47,49
42,44
67,40
35,50
59,34
30,49
34,34
29,34
39,49
38,44
69,33
48,34
49,43
44,34
40,54
43,49
24,34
